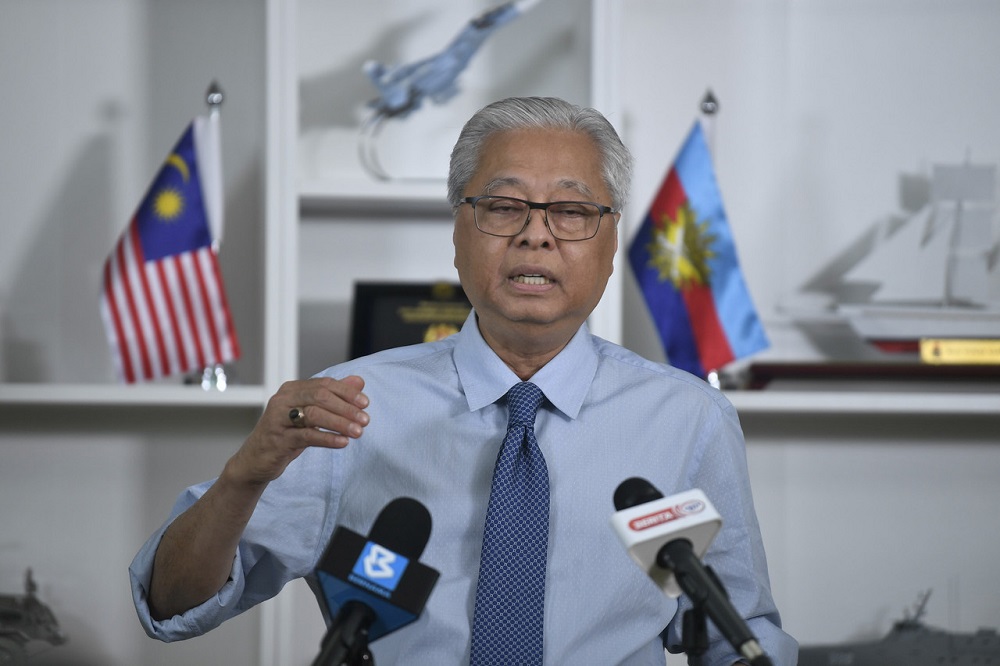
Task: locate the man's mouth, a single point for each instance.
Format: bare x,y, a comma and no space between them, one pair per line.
532,279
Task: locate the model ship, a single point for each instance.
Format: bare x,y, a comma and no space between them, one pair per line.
934,274
24,619
913,643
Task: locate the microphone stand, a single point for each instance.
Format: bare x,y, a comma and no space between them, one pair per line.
346,641
706,591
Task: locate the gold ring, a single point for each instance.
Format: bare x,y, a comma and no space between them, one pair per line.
298,417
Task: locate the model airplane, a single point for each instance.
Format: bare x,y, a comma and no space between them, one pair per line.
402,88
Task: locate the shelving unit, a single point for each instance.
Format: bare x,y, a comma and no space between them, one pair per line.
303,222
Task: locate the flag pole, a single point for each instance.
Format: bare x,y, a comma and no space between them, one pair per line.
214,376
214,98
709,107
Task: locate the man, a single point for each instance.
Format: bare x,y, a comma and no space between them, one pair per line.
427,422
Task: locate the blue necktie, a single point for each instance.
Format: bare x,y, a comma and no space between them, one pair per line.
510,597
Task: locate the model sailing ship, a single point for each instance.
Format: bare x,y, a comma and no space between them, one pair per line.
25,621
935,274
912,643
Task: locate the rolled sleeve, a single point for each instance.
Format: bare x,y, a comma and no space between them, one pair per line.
193,622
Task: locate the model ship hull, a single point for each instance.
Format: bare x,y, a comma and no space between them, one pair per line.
916,645
912,643
887,325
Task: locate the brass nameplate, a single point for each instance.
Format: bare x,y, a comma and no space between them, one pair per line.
949,351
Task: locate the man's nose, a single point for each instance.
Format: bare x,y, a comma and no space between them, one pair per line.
536,230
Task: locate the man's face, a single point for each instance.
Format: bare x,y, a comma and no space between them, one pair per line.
532,287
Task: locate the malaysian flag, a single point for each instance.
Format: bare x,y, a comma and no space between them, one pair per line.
162,298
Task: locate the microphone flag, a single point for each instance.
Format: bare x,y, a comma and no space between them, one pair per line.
646,524
667,537
684,259
163,302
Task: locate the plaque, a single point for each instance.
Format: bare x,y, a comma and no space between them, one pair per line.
393,314
944,351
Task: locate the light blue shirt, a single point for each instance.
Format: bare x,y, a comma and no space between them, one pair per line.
437,421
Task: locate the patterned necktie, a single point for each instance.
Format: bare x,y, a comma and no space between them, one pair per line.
507,626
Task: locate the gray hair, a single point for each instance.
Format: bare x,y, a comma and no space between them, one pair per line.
540,113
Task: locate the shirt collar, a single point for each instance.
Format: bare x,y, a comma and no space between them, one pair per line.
485,378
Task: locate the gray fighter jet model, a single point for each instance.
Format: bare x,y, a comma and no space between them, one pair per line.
403,88
912,643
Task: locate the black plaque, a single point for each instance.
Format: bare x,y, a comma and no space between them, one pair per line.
394,314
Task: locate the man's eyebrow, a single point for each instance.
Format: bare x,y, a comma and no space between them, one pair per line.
580,187
497,183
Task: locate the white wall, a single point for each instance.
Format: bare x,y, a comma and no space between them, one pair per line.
825,105
81,489
861,514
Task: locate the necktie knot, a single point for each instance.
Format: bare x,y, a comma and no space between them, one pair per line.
523,401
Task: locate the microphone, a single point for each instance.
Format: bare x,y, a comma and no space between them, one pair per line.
374,585
667,536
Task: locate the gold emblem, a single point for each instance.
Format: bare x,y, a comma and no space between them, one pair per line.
681,248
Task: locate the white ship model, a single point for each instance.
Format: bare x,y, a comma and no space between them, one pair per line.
935,274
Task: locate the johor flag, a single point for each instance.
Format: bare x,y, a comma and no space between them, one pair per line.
685,262
162,299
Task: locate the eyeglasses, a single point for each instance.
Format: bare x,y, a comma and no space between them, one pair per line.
507,216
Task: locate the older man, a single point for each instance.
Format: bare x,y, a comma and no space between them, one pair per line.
536,185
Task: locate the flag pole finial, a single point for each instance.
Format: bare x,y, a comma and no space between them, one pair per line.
214,97
709,104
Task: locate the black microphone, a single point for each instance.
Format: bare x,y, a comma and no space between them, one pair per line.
374,585
666,537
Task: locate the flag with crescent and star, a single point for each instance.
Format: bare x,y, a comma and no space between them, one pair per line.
163,303
684,259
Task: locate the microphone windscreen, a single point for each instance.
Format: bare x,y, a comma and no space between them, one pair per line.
403,526
634,491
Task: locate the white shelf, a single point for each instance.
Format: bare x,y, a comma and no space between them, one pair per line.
778,403
365,194
954,404
116,395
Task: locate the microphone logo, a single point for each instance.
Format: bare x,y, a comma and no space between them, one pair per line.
662,516
378,562
378,569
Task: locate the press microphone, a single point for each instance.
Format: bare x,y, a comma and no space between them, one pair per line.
667,536
374,585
